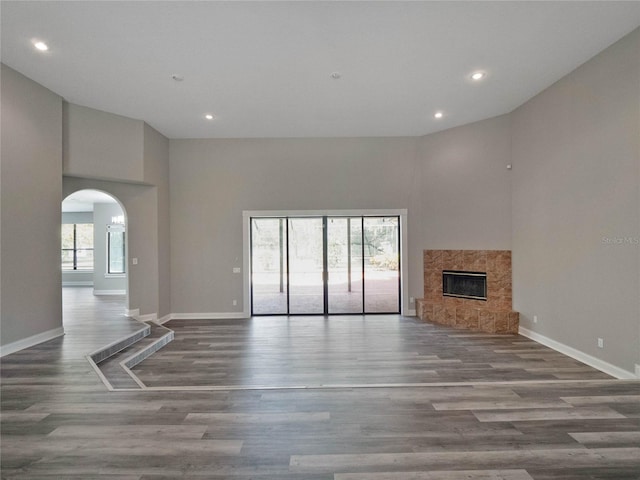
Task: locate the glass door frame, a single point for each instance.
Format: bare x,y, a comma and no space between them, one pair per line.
403,303
400,266
327,268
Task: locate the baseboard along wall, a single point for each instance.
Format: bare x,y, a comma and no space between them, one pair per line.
31,341
585,358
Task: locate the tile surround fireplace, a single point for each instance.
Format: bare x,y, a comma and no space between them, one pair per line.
493,314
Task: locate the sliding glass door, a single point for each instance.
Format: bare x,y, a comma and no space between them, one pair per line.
325,265
344,265
269,266
306,284
381,264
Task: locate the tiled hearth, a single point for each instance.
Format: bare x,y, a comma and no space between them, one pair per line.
495,315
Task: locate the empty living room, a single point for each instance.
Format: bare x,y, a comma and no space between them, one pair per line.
320,240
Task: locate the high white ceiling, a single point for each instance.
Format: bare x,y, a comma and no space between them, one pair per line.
263,68
83,200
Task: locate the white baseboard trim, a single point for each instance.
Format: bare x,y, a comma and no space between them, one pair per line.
31,341
410,313
207,316
109,292
165,319
149,317
87,283
590,360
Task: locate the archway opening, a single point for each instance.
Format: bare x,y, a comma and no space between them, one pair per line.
93,256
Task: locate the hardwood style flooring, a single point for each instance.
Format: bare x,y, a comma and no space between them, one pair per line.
59,421
384,350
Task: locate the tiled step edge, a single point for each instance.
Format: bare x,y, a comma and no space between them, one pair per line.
111,349
132,359
128,363
149,350
107,351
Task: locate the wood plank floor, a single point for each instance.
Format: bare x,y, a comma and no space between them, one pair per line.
347,351
59,421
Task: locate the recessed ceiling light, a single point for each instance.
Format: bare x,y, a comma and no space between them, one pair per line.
43,47
208,116
478,75
438,115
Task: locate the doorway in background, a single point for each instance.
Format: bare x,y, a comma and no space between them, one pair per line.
93,251
320,265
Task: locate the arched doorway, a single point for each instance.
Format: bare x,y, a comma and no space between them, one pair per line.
93,256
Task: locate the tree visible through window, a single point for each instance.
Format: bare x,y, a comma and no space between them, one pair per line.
77,246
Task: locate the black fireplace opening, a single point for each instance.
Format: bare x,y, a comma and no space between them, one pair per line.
461,284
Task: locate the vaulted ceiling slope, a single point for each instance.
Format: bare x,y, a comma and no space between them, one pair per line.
264,69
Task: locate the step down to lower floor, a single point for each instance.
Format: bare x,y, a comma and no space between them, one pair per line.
115,361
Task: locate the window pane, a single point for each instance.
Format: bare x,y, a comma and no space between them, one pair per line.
116,260
84,235
67,259
67,236
85,259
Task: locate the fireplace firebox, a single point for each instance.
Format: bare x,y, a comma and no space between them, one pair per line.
461,284
477,290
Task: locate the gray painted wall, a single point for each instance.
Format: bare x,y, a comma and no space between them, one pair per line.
77,279
460,173
213,181
156,172
576,183
102,214
113,153
466,187
30,211
77,217
102,145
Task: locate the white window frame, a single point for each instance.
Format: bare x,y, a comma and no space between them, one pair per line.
115,228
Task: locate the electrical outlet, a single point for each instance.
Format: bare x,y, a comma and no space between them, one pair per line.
235,302
535,319
600,343
412,300
236,269
134,261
